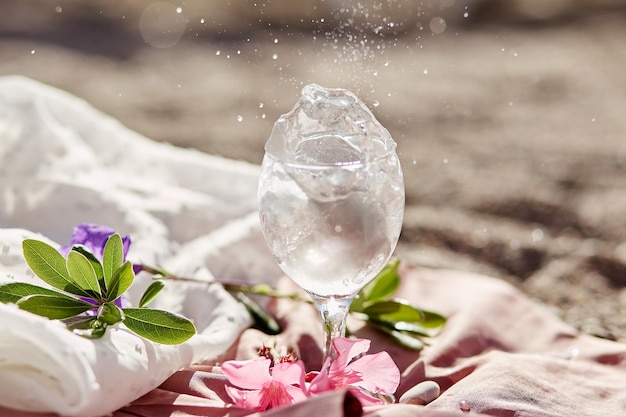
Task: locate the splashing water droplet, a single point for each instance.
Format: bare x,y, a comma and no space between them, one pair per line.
202,21
240,118
445,160
437,25
32,52
218,52
376,103
464,406
162,25
59,9
275,40
425,72
261,105
275,57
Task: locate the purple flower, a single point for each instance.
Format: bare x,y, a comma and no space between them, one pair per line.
93,237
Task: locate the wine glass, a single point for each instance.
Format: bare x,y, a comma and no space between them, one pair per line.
331,200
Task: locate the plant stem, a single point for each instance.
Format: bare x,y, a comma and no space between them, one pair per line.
231,286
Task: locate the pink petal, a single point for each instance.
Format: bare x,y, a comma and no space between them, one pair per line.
321,382
348,349
250,400
378,371
276,394
297,393
250,374
289,373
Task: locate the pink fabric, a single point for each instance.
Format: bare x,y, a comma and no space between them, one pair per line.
501,353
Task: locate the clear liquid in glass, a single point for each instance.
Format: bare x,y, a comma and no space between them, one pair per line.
331,200
331,228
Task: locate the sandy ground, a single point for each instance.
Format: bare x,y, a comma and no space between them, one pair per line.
511,130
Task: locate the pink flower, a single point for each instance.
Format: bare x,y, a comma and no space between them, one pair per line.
377,373
260,390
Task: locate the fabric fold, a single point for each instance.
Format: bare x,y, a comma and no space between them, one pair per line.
46,368
62,163
500,354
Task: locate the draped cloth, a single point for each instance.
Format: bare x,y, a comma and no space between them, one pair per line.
63,163
500,353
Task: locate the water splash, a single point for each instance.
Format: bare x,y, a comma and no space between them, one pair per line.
162,24
322,115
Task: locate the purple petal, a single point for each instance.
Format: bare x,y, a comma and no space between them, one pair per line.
125,245
94,237
121,302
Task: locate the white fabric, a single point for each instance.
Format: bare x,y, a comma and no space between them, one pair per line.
63,163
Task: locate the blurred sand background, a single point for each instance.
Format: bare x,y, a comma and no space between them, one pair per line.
510,116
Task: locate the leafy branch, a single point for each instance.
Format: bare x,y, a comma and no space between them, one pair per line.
87,295
90,296
406,324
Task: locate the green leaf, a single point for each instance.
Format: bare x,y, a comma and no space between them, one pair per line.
53,307
97,266
403,339
384,285
402,326
393,310
49,265
13,291
263,320
79,322
90,329
83,274
109,313
112,258
98,329
158,325
432,320
152,291
401,311
121,280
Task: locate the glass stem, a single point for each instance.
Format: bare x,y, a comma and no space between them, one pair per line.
334,312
